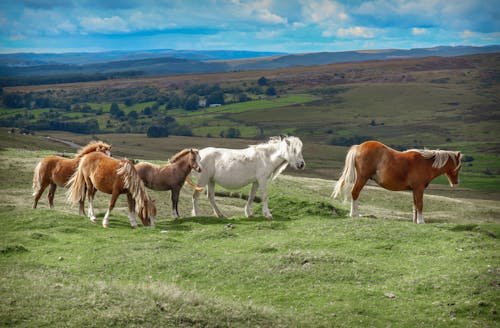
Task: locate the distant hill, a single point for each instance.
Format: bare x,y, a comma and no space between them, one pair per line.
31,68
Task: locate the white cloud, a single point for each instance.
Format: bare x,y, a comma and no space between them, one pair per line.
104,25
266,16
321,11
418,31
468,34
66,27
355,31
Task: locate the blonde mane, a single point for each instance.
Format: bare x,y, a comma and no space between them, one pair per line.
133,182
441,157
180,154
93,146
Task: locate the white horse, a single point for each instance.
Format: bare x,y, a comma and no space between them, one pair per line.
236,168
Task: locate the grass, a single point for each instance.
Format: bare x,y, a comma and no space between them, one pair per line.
308,267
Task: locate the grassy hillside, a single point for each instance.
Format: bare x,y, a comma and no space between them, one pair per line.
310,266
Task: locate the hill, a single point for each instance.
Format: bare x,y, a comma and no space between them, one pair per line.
23,69
310,266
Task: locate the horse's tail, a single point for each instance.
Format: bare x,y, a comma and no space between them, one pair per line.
36,178
193,185
134,184
76,186
348,176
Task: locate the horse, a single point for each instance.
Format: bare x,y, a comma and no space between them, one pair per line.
97,171
236,168
56,171
411,170
171,176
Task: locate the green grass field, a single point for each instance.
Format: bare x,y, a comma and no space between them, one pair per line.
309,266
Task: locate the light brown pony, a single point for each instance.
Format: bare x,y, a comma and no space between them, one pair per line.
97,171
56,171
393,170
171,176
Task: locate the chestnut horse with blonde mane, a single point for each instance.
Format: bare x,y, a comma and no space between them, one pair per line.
393,170
97,171
171,176
56,171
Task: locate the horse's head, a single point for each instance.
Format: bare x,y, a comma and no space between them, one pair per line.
104,148
195,160
453,167
293,152
147,213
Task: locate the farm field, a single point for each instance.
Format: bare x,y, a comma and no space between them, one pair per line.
309,266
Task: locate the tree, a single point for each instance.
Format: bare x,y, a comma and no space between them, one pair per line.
133,115
157,131
233,133
216,97
192,102
262,81
271,91
113,110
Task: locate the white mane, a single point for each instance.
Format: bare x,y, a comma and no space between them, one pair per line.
441,157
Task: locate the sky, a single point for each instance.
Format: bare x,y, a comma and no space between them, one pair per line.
290,26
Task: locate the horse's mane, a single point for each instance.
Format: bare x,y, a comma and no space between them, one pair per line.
133,183
91,147
180,154
272,140
441,157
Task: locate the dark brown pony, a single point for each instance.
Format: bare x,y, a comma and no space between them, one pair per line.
393,170
171,176
97,171
56,171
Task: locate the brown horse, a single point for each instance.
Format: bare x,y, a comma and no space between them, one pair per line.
97,171
171,176
56,171
393,170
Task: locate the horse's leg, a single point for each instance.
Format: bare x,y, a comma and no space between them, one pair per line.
211,198
265,209
414,210
418,200
194,199
248,206
175,202
39,193
131,211
196,194
112,202
90,194
355,191
52,192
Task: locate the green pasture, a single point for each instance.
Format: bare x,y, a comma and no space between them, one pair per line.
310,266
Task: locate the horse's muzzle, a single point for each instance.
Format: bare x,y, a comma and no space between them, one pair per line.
301,165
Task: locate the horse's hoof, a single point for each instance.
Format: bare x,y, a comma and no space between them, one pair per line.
134,227
92,221
268,216
105,226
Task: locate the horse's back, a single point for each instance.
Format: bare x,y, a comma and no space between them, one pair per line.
231,168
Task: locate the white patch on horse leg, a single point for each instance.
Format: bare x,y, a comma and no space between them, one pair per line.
354,208
265,209
105,221
91,211
248,206
194,199
133,221
420,218
211,198
175,215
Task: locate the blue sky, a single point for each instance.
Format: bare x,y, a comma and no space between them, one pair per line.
293,26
